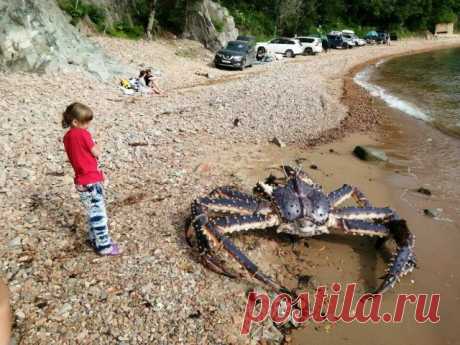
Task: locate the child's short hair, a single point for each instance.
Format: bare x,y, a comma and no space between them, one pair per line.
76,111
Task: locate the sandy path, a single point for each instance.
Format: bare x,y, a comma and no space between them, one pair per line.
155,294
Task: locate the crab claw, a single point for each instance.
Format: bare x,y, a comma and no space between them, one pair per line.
403,263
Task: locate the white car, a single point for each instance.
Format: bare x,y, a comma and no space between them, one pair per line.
350,34
311,45
289,47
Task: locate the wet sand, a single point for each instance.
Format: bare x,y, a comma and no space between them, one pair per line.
394,184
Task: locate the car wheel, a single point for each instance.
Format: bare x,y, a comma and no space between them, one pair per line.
289,53
243,65
308,51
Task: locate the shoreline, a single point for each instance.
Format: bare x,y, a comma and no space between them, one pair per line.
362,114
391,132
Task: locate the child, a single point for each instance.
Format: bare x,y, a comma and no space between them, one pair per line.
150,81
83,154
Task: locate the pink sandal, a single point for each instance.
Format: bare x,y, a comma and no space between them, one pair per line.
113,250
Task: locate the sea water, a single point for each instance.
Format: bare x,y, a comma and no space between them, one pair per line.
425,86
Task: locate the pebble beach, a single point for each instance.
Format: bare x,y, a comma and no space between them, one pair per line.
159,153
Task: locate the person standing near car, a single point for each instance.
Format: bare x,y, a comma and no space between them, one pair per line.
325,44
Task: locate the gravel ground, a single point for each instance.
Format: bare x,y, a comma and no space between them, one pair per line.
156,154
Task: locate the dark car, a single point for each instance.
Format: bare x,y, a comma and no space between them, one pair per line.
337,41
383,37
250,39
237,54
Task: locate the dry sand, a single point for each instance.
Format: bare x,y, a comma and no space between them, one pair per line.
160,153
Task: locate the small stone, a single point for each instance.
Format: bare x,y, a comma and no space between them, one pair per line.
314,167
367,153
424,191
432,212
277,141
3,178
26,174
303,280
20,314
66,308
15,242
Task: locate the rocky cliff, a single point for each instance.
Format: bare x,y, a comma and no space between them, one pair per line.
210,23
35,36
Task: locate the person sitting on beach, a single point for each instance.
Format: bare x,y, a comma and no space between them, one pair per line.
5,315
150,81
83,155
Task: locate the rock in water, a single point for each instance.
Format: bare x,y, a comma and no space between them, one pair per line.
432,212
36,36
210,23
367,153
424,191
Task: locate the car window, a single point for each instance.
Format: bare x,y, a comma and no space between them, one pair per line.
284,41
308,40
276,40
238,46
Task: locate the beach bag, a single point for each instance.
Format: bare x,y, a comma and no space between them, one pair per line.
125,83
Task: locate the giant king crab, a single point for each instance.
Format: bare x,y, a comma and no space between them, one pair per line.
297,207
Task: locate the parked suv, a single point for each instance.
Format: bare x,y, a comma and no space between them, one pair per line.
350,35
337,41
312,45
289,47
383,37
237,54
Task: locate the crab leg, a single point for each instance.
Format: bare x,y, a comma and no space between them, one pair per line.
404,260
212,231
361,227
264,189
206,257
345,192
232,224
246,206
364,213
230,193
290,171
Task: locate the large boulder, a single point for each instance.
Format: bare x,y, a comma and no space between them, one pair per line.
210,23
116,10
36,36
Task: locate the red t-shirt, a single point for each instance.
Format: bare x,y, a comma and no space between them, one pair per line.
78,144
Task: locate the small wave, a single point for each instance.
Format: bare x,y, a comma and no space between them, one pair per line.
380,62
362,79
